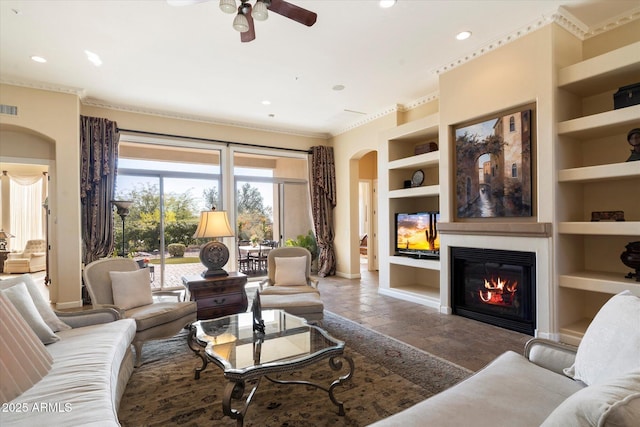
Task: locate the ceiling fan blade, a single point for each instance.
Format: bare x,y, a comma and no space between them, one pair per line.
184,2
291,11
250,34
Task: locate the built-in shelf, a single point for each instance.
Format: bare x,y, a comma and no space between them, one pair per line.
520,229
420,160
587,87
424,191
595,281
600,172
616,68
602,228
431,264
573,333
601,124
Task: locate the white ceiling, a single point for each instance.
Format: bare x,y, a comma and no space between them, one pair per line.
188,61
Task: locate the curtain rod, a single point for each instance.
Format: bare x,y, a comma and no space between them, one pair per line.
242,144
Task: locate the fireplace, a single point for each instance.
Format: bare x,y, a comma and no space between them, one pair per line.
495,286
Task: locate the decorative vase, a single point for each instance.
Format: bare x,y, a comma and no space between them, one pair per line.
631,258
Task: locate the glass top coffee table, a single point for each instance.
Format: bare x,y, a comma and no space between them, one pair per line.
288,343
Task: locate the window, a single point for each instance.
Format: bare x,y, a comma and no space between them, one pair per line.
169,187
512,124
514,170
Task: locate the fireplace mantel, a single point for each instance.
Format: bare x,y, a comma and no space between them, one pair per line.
515,229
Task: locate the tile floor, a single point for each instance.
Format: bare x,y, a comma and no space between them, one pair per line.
466,342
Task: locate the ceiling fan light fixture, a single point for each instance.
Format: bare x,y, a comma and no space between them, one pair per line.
240,23
228,6
259,11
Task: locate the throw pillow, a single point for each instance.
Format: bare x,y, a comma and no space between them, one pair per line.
291,271
131,288
20,298
611,345
43,306
614,403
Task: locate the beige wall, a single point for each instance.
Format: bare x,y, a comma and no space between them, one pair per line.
516,75
55,117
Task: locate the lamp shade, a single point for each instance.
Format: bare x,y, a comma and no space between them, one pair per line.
5,235
259,11
240,23
228,6
213,224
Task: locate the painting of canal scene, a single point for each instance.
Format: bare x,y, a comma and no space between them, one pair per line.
493,167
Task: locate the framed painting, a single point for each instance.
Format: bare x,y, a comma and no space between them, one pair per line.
493,167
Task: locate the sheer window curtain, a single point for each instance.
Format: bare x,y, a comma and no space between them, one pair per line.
26,195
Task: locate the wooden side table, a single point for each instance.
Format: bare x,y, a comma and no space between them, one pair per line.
3,257
218,296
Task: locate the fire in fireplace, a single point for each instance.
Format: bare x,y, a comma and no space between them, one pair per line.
495,286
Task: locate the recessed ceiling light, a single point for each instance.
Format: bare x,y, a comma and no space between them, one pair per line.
93,58
266,102
463,35
338,88
387,3
39,59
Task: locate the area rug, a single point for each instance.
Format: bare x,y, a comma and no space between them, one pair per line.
389,376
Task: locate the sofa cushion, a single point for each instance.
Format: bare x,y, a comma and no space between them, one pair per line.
80,389
43,306
131,288
612,403
510,391
21,300
611,345
23,358
291,271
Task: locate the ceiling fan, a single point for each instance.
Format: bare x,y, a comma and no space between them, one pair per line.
247,13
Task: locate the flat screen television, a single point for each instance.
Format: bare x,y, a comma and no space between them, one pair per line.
417,235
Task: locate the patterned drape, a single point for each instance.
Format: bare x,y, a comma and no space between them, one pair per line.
99,154
323,201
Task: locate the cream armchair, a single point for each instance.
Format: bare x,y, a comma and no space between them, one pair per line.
121,284
33,258
289,272
289,286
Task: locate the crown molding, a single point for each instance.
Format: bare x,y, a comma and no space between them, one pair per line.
69,90
93,102
421,101
612,23
489,47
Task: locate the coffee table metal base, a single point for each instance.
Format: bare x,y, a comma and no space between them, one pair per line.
235,389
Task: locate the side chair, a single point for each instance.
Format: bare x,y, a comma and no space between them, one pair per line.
289,285
121,284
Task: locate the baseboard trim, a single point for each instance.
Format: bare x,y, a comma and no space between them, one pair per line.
348,275
68,305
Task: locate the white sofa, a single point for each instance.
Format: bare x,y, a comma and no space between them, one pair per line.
91,364
552,385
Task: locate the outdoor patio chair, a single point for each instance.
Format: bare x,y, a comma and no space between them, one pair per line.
121,284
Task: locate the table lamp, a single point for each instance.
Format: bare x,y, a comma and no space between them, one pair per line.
3,239
214,255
